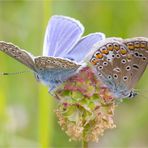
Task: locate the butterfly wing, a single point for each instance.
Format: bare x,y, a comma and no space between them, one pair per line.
54,63
110,62
62,33
80,50
20,55
54,71
139,57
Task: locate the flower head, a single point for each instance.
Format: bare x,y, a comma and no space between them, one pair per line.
85,108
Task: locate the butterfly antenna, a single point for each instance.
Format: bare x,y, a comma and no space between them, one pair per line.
14,73
141,90
143,96
142,93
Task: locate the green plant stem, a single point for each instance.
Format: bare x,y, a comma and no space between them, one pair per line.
84,144
45,100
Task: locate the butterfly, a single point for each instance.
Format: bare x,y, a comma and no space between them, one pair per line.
63,51
119,64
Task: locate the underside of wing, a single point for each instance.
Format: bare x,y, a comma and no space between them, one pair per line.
54,71
138,47
55,63
18,54
110,61
120,63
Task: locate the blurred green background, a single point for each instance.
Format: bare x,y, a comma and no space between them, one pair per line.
27,116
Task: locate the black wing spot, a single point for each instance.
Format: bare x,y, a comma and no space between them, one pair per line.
115,76
135,66
125,78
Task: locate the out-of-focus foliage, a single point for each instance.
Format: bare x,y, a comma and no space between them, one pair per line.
24,107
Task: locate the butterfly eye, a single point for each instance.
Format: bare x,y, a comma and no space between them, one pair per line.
132,94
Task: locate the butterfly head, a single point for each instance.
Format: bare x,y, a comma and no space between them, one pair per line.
132,94
119,90
124,94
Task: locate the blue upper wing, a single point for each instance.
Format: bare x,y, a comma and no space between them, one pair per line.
82,48
62,33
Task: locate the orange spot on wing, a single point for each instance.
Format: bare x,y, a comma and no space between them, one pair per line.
143,44
123,51
94,61
137,44
110,47
130,46
147,46
99,55
105,51
129,56
116,46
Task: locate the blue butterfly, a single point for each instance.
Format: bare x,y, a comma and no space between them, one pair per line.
63,51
